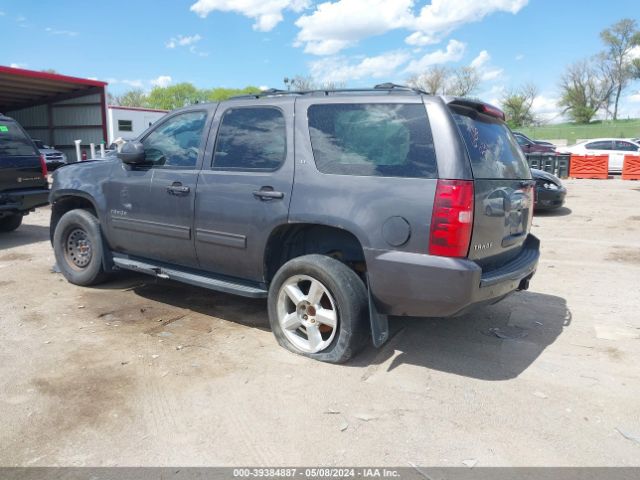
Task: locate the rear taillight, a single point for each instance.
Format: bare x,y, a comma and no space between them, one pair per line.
452,218
43,166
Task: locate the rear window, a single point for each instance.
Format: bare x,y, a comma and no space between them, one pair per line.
13,141
386,140
493,151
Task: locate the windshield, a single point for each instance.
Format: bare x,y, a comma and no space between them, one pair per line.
13,141
493,151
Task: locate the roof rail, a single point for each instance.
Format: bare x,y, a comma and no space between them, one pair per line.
388,88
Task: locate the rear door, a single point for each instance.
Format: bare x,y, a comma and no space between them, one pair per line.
244,188
502,184
621,148
20,166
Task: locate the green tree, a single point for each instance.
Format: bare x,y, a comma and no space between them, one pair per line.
220,93
175,96
620,39
132,98
517,105
584,91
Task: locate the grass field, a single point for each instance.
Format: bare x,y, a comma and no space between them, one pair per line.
571,131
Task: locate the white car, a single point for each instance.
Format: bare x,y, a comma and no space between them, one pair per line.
616,148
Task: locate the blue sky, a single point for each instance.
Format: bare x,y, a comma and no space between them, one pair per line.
361,42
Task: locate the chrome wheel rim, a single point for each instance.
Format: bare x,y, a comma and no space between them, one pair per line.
78,249
307,313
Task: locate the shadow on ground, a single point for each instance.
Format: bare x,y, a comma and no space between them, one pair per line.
558,212
470,345
244,311
24,235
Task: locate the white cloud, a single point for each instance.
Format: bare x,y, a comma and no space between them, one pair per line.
489,74
266,13
263,87
519,57
481,60
189,41
18,65
453,53
482,64
442,17
336,25
162,81
545,107
183,41
68,33
340,69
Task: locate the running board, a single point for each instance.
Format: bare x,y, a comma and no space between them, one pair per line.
199,280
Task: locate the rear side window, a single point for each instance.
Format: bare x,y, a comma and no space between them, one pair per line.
251,139
625,146
13,141
385,140
493,151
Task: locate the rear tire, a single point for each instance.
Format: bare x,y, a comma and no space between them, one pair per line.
9,224
78,248
318,308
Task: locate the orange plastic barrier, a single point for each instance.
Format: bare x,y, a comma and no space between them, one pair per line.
589,166
631,167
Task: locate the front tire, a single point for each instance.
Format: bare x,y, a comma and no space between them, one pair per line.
10,223
318,308
78,248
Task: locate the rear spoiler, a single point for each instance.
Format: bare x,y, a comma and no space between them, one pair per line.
482,107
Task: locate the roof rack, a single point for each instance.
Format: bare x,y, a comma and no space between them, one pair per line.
387,88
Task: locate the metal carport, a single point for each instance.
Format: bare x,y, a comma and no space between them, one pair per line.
56,109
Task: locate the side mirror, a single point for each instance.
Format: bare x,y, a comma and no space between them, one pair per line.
132,153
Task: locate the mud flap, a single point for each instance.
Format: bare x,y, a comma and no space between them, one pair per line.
379,322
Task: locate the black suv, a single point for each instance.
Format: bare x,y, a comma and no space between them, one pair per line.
342,207
23,175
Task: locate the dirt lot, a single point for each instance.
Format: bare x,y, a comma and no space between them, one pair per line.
146,372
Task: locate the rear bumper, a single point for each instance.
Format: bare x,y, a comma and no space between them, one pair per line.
428,286
22,201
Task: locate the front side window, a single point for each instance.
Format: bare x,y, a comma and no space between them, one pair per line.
384,140
13,140
251,139
176,142
606,145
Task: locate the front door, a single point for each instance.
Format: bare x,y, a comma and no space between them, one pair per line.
153,217
244,187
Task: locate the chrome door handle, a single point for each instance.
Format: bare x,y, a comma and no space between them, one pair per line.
178,189
267,194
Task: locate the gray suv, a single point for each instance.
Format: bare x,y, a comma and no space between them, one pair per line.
341,207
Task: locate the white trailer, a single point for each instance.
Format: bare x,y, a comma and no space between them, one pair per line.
129,122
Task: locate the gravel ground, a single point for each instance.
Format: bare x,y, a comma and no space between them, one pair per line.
146,372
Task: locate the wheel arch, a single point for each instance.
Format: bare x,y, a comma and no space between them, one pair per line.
293,240
64,201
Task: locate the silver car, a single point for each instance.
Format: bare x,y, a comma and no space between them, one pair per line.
54,158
